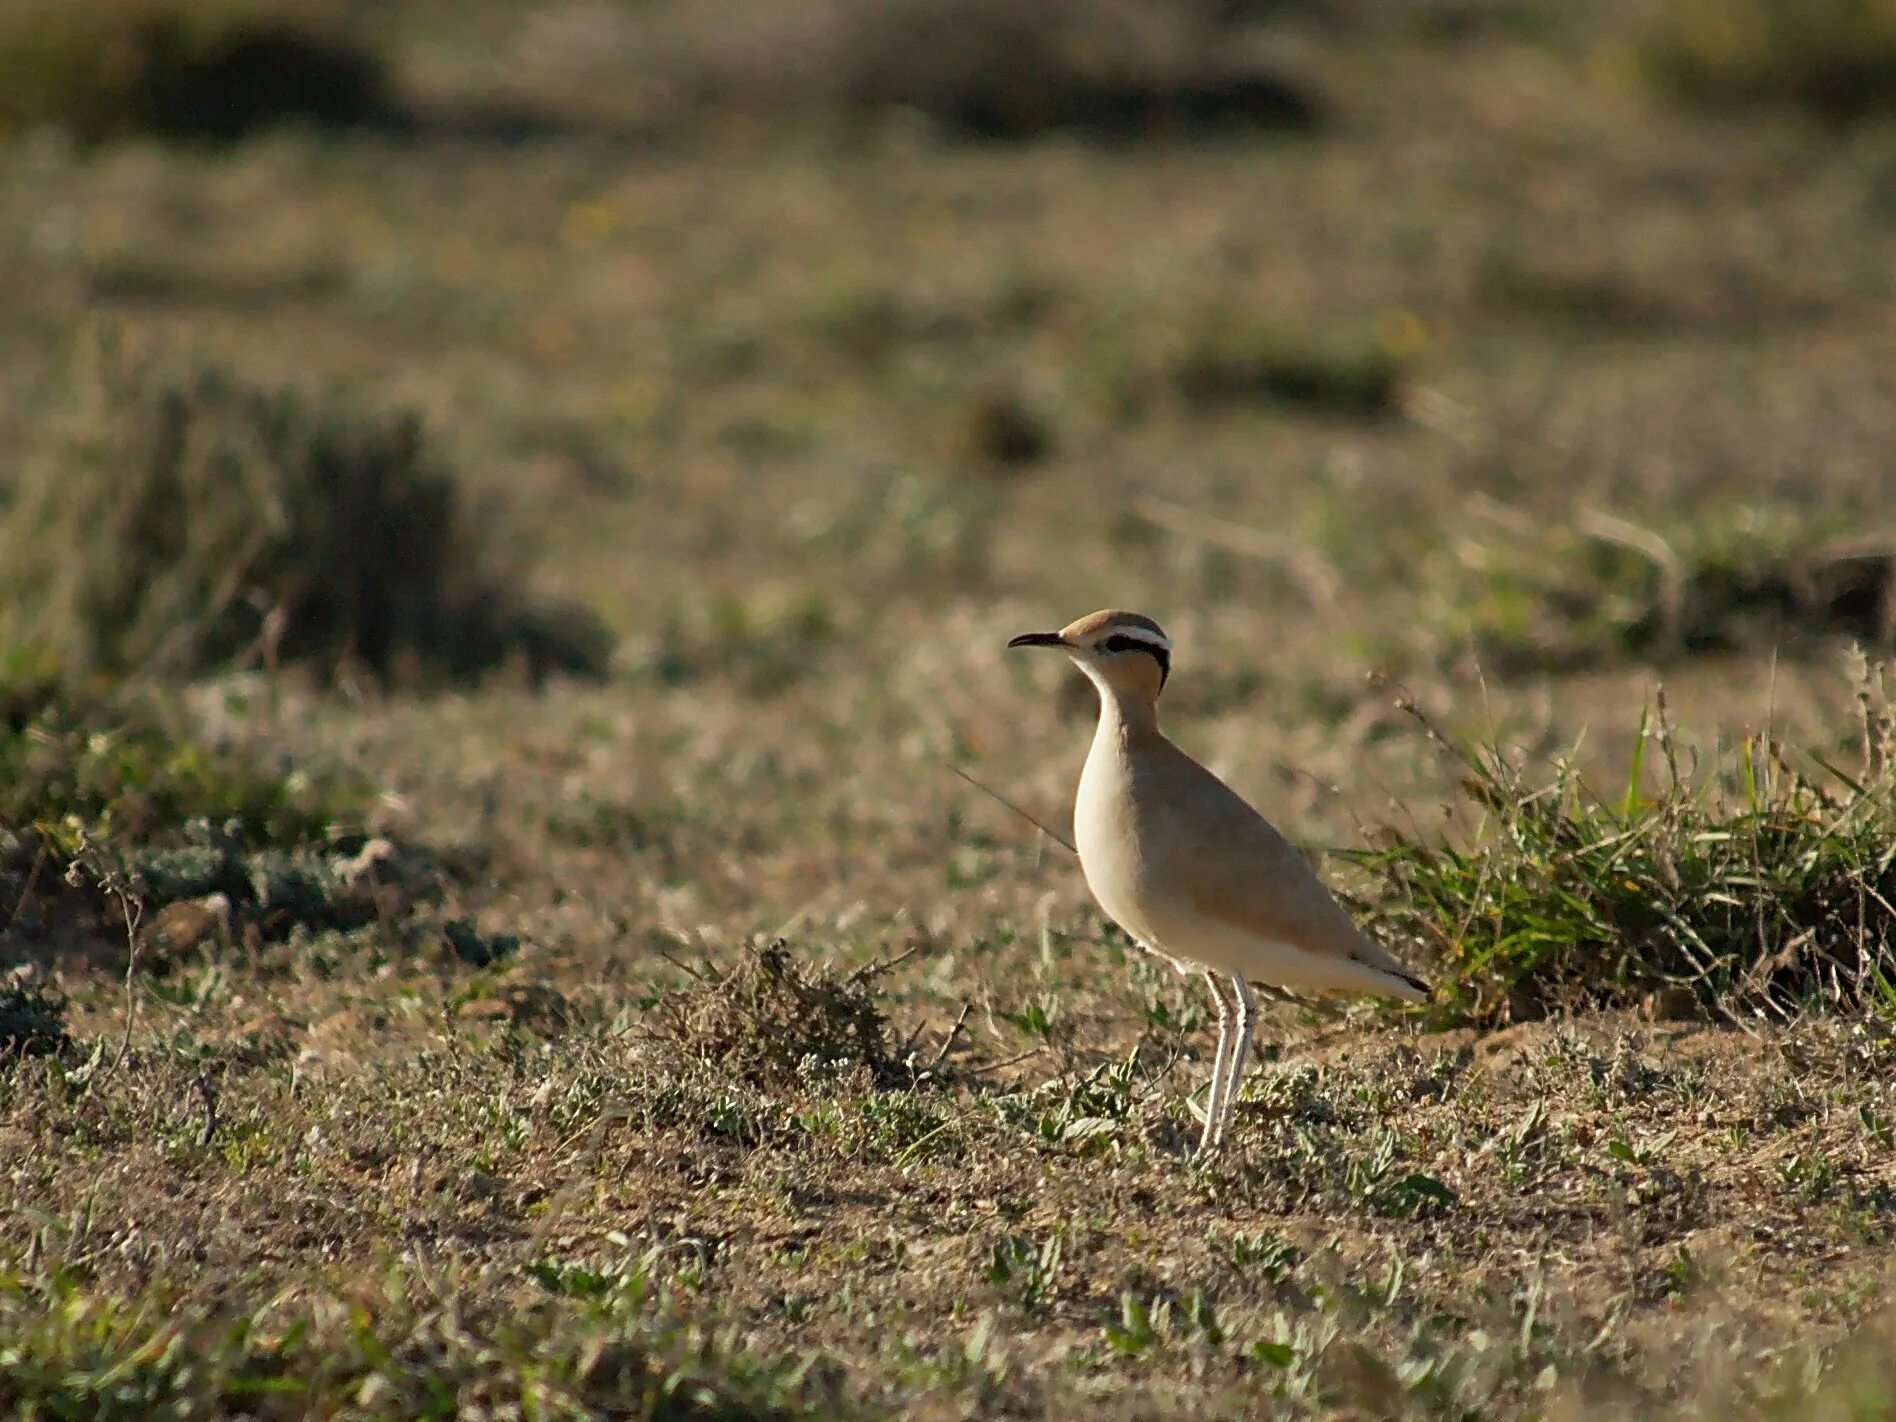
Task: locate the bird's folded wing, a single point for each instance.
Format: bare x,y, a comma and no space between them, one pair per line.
1241,871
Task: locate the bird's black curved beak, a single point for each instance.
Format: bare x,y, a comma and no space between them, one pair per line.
1037,639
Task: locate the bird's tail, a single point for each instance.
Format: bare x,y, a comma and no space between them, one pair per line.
1393,979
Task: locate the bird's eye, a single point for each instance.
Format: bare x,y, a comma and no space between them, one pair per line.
1119,642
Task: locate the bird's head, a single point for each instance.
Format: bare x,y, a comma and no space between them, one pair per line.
1123,652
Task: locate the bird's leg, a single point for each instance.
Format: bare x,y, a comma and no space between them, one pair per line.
1240,1050
1214,1094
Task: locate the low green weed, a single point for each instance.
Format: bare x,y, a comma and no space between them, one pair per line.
602,1339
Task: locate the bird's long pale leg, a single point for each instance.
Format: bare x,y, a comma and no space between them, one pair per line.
1214,1095
1240,1053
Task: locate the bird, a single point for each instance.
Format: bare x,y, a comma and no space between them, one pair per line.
1191,871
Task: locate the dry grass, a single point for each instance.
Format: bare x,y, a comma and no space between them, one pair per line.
490,1149
768,1021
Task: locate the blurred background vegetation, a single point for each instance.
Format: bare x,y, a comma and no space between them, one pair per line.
901,265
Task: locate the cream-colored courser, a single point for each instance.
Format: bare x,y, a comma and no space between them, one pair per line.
1190,870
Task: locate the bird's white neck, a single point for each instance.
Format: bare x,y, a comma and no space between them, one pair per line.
1122,712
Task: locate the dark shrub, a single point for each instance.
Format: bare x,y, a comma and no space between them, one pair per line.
1835,59
107,68
182,520
997,70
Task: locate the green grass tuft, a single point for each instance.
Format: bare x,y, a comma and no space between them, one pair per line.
124,800
130,775
1753,887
